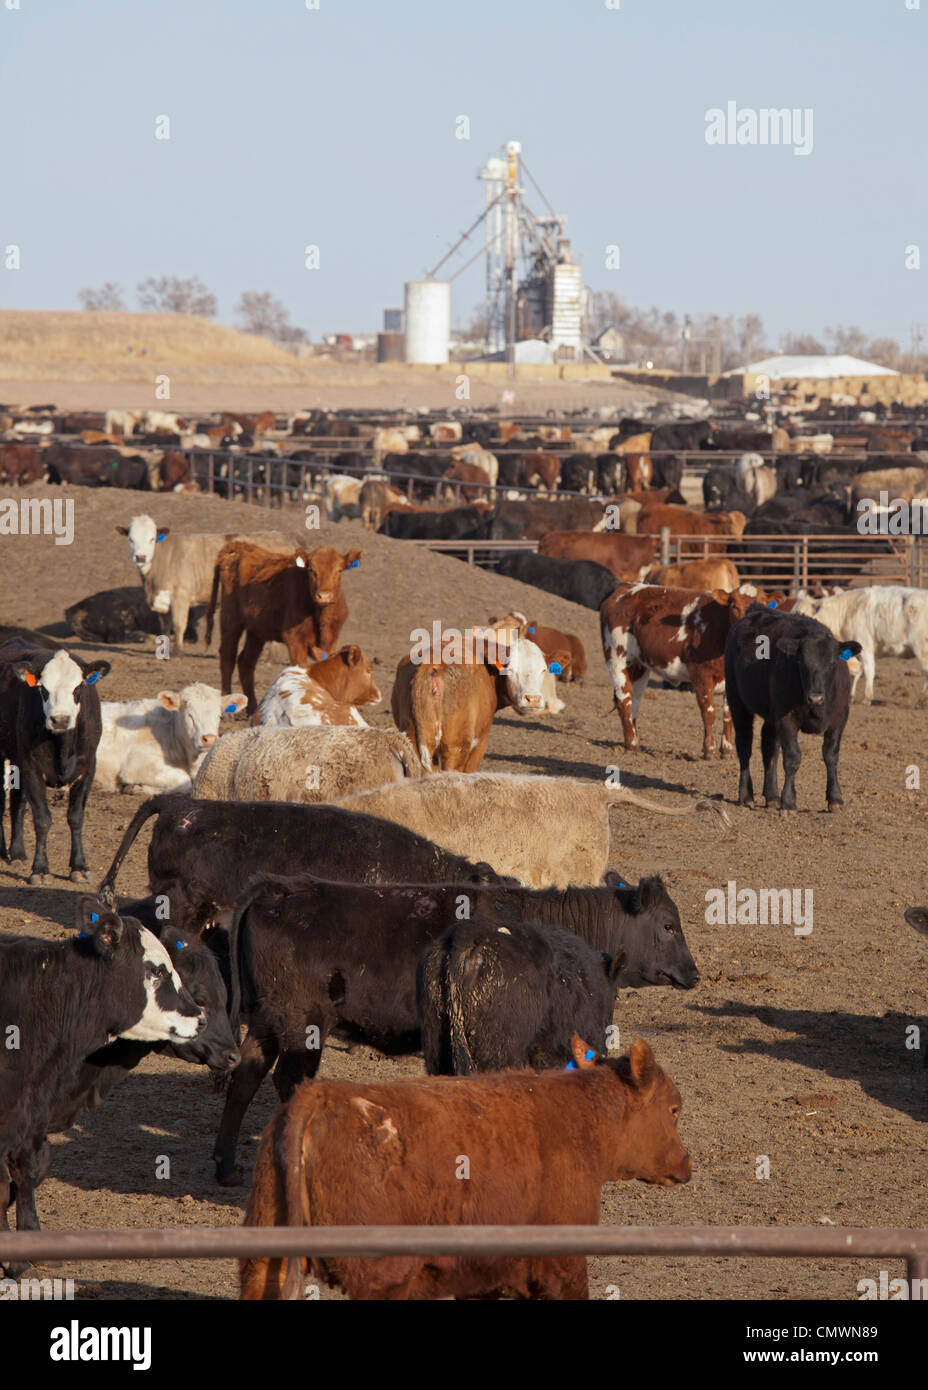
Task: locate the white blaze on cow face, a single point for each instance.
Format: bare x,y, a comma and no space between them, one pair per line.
524,671
198,709
170,1013
59,685
143,537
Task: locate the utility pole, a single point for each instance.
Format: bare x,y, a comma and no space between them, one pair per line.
513,150
916,334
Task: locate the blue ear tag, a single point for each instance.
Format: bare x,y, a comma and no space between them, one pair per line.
354,564
161,536
772,603
83,936
555,668
94,916
180,945
571,1066
93,678
846,654
324,656
623,885
229,709
532,628
589,1055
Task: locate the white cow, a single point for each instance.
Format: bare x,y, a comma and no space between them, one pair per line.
757,480
886,619
162,422
151,746
122,422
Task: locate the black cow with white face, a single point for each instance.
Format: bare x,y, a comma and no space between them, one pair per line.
792,673
50,726
67,1000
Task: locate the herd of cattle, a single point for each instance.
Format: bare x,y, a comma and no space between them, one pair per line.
311,875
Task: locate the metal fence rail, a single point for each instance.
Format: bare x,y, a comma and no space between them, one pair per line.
207,1243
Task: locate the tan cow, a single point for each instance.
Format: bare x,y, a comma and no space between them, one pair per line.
700,574
314,764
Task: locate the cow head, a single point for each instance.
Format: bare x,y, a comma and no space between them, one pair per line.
144,534
164,1011
324,571
359,686
59,680
198,709
656,951
521,666
815,653
647,1144
198,968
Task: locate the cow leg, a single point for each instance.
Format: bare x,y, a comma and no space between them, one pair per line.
257,1058
180,611
868,662
17,823
769,750
704,698
792,757
77,802
3,848
228,648
246,669
298,1061
727,735
34,790
831,747
615,650
475,755
744,742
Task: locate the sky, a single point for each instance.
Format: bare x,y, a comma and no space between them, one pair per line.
335,127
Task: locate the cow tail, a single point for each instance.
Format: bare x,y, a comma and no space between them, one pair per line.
211,611
288,1160
152,807
425,699
462,1062
619,795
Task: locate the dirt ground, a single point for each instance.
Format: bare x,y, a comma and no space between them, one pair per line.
792,1047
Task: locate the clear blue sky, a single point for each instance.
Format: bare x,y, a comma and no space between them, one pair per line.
336,126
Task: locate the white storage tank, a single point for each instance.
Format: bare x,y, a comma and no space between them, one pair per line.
428,320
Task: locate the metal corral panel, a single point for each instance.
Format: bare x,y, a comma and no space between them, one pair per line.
566,306
428,320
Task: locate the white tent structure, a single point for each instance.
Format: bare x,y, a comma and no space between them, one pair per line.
813,365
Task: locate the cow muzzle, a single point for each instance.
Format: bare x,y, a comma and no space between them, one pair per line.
60,723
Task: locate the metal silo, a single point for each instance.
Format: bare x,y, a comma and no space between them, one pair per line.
428,320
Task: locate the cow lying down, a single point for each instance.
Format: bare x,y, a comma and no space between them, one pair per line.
342,958
540,1148
304,764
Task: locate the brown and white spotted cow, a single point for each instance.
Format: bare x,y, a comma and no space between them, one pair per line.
675,635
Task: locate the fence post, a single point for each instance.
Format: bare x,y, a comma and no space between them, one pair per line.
913,581
805,562
212,472
665,545
796,584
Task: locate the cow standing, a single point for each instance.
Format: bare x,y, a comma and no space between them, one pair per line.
50,726
791,672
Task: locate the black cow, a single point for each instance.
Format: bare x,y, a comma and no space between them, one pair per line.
203,854
95,466
214,1046
118,615
789,472
456,523
528,518
67,1000
579,581
50,726
681,434
491,997
610,474
721,491
791,672
578,474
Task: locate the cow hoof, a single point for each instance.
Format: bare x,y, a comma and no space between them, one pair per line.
785,811
36,880
836,805
233,1179
80,876
709,753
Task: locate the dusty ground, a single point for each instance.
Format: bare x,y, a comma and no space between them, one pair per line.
791,1047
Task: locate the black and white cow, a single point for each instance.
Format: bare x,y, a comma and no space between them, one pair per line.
791,672
50,726
60,1002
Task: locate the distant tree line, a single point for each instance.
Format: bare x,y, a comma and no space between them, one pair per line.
257,311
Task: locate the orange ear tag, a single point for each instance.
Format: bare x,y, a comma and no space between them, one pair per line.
30,679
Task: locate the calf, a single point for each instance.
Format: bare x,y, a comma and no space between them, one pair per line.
791,672
886,620
493,997
151,746
49,730
540,1149
677,635
66,1000
203,854
304,764
326,692
683,521
295,599
447,709
700,574
102,1070
116,615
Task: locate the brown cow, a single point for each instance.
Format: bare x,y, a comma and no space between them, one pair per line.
541,470
540,1146
676,635
700,574
296,599
627,556
683,521
552,643
20,464
173,471
461,472
446,707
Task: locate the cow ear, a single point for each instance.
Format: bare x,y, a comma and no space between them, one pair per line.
162,532
95,670
917,917
649,891
615,965
641,1063
789,646
99,924
352,559
584,1056
23,671
353,655
168,699
232,704
849,649
613,880
299,562
123,530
